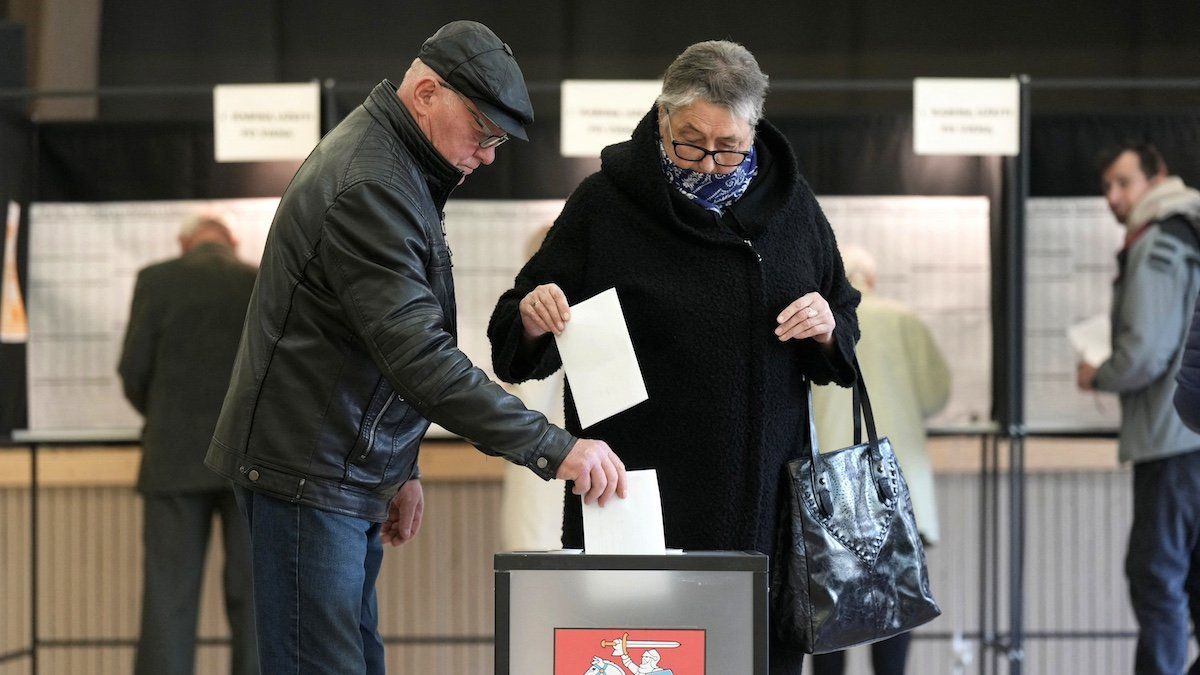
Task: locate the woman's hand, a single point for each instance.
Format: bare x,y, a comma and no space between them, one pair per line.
544,310
808,317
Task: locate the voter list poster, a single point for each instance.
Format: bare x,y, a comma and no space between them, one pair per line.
83,261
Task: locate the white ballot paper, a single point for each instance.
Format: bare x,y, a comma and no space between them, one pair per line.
630,526
598,358
1092,339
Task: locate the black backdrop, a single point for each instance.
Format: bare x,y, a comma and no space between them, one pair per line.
867,154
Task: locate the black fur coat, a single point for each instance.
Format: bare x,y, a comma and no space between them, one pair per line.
726,400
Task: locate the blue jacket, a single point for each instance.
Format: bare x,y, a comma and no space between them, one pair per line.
1187,394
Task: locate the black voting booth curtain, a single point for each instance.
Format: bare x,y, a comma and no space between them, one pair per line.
842,154
16,172
1065,148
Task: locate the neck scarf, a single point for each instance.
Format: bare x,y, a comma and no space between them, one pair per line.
714,192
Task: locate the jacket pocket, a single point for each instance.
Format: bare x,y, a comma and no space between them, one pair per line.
380,401
376,453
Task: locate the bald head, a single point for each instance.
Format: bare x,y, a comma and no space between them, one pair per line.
205,229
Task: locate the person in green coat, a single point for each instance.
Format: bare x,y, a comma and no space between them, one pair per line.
909,382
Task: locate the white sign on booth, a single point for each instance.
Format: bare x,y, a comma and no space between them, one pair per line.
953,116
265,122
596,113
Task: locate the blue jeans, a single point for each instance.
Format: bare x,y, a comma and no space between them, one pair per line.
314,588
1163,562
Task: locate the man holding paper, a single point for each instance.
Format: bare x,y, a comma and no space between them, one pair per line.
729,280
1156,288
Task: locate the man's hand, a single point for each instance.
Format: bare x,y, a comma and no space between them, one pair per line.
596,470
807,317
1085,376
404,514
544,310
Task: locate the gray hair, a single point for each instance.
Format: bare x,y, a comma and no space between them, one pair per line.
719,72
205,220
859,265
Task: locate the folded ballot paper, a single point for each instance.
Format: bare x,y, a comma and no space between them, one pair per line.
630,526
1092,339
598,358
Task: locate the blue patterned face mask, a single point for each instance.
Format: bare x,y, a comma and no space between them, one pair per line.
714,192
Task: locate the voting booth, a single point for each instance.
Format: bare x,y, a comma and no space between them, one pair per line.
693,613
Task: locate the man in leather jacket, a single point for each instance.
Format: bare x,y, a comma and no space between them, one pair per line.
348,352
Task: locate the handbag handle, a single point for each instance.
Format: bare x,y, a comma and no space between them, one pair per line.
862,412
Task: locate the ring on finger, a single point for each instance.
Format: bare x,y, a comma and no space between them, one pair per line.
534,304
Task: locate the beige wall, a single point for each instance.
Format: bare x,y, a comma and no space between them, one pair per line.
90,555
440,586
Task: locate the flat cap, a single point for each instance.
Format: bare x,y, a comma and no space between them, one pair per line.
480,66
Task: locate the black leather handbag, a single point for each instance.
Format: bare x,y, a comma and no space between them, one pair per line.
850,567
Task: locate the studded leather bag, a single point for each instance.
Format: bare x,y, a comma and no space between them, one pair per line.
850,567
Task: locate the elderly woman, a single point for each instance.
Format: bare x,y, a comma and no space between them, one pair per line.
732,288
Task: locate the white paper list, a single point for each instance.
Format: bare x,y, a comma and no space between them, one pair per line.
1070,244
932,255
84,258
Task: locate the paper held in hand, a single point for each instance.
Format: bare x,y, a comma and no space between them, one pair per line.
598,358
1092,339
630,526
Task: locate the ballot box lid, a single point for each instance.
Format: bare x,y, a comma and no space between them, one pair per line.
717,561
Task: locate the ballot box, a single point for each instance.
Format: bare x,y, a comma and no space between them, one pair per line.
694,613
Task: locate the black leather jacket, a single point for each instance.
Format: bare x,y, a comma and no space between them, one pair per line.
349,348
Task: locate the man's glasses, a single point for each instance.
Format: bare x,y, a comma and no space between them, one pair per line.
490,140
694,153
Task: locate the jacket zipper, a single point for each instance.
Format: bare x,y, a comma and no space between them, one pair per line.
756,255
375,425
449,252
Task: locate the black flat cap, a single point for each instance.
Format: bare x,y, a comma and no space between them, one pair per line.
480,66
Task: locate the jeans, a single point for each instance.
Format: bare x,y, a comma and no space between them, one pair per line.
314,588
1163,561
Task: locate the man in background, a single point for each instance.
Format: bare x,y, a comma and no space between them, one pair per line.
1153,295
180,344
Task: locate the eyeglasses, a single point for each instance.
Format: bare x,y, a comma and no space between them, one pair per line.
694,153
490,140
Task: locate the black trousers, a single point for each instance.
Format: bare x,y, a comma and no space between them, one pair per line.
175,534
887,658
1162,564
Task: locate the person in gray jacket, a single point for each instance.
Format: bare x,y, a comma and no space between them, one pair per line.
1153,296
184,324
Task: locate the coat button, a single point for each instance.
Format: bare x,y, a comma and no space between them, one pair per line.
253,474
541,462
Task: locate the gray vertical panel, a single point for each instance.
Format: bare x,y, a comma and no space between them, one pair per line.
15,579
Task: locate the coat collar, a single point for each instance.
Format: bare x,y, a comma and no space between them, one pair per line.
210,249
633,166
441,176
